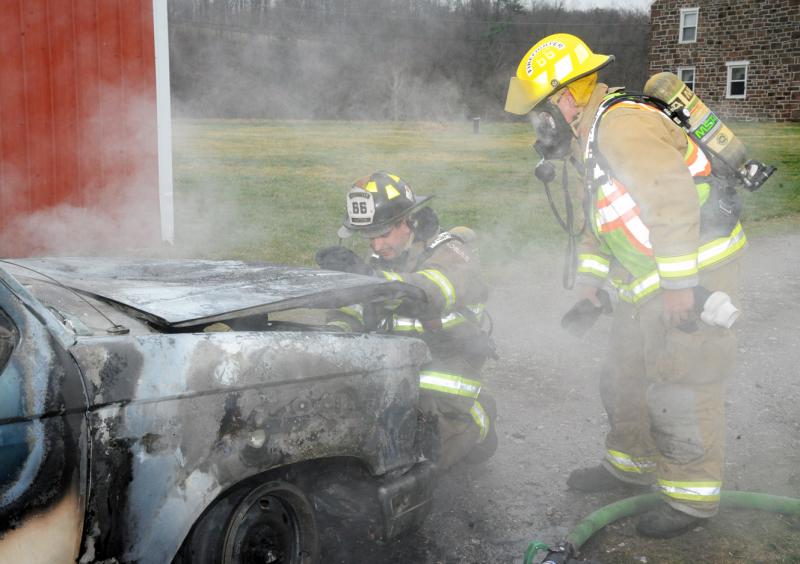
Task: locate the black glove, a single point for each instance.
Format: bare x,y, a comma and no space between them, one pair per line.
415,304
580,318
342,259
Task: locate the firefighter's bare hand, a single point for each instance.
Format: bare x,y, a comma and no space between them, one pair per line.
678,306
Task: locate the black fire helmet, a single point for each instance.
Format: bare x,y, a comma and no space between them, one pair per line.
376,203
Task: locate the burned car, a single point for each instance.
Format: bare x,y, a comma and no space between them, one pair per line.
157,411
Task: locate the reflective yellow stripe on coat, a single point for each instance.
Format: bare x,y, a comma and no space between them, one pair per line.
593,264
448,383
410,324
444,285
708,254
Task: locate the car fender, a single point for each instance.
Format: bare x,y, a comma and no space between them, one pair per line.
177,419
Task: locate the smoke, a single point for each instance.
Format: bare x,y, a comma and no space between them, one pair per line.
103,228
213,219
244,75
96,194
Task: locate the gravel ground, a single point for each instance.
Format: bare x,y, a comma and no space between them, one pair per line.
551,420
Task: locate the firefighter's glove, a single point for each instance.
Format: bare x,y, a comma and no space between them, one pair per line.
583,315
415,304
342,259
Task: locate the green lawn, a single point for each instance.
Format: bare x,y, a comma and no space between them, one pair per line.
274,190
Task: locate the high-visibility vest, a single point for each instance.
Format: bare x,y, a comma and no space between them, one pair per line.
616,221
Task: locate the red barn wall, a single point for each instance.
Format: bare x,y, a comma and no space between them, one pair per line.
78,145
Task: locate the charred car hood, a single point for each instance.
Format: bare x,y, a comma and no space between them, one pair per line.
183,293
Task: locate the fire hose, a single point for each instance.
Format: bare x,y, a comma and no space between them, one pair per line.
566,551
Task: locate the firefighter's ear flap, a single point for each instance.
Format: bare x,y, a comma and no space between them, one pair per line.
425,224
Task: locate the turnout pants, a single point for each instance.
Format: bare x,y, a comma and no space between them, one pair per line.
450,399
663,390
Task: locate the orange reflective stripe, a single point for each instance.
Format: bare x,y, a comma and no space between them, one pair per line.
696,160
621,212
618,223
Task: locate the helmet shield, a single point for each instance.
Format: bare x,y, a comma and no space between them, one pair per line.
377,203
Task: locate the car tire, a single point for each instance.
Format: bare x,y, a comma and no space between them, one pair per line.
273,522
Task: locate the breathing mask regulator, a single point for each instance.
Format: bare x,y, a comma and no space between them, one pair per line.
553,142
553,137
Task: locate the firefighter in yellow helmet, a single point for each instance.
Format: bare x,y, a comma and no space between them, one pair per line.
409,246
662,232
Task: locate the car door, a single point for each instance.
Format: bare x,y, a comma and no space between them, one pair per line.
43,450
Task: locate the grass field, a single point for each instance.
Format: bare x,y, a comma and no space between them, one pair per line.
274,190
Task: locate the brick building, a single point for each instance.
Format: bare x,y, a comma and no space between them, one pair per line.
742,57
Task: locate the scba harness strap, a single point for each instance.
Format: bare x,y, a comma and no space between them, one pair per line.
442,238
720,204
592,155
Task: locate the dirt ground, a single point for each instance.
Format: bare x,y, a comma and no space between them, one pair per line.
551,421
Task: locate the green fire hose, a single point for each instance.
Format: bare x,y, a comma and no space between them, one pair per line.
641,503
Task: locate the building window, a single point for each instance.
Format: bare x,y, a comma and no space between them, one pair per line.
688,32
686,74
737,79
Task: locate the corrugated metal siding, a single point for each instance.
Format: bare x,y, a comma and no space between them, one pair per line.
77,114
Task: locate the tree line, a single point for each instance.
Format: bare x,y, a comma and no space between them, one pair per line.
375,59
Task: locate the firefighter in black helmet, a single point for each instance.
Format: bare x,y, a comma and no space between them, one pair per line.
408,246
376,203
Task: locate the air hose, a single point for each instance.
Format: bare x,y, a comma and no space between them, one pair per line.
595,521
546,173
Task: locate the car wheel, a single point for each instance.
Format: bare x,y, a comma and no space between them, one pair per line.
274,523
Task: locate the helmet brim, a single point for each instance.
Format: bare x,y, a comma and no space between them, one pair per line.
371,231
524,95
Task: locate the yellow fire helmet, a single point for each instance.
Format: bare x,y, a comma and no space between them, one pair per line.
551,64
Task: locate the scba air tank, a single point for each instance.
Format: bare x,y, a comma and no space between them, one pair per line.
702,124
